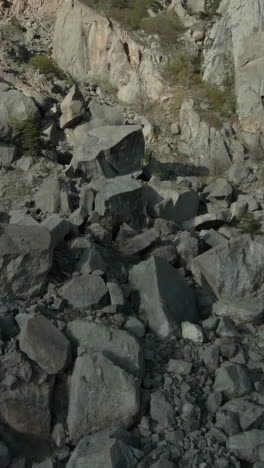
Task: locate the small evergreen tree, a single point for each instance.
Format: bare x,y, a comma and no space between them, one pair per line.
28,134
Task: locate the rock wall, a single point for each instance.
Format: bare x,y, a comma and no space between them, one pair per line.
237,42
87,44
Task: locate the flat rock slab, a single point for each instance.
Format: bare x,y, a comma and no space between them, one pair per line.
102,396
234,270
86,291
139,243
25,259
117,345
42,342
96,452
164,297
244,311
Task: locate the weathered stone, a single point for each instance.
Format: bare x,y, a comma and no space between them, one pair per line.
8,154
214,402
161,410
52,196
104,152
101,396
248,445
249,414
122,198
97,451
73,108
212,238
246,310
44,464
237,210
42,342
25,259
206,221
187,248
226,328
58,228
14,105
139,243
86,291
211,357
179,366
234,381
219,192
165,299
135,327
19,217
234,270
4,456
117,345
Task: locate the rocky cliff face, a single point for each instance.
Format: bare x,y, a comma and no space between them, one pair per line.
33,6
237,48
87,44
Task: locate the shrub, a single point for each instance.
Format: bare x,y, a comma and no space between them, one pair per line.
28,133
183,70
168,27
222,100
47,66
249,224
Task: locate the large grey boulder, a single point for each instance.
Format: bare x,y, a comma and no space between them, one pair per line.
58,228
247,445
25,259
246,310
117,345
86,291
123,199
248,413
164,297
52,196
233,270
14,105
139,243
43,343
108,151
8,154
104,450
167,201
101,115
72,108
87,44
219,192
207,147
234,381
102,396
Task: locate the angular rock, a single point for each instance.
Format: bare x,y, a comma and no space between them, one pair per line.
248,413
21,218
102,396
234,270
206,221
211,357
233,381
97,451
52,196
212,237
116,294
247,310
107,152
135,327
122,198
187,248
247,445
179,366
44,344
58,228
161,410
25,259
8,154
139,243
14,105
84,292
164,297
72,108
117,345
191,331
219,192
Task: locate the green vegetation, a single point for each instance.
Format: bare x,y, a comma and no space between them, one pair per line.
28,134
211,7
47,66
167,26
249,224
183,69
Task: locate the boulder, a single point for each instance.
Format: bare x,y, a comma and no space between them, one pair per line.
247,445
96,452
102,396
43,343
139,243
121,198
25,259
8,154
248,413
206,221
117,345
233,381
244,311
219,192
19,217
163,296
14,105
234,270
212,238
84,292
52,196
72,108
108,152
58,228
167,201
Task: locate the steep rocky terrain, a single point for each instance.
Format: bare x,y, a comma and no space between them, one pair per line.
131,234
